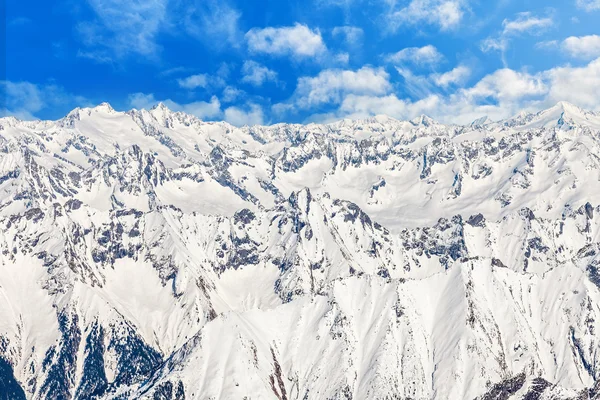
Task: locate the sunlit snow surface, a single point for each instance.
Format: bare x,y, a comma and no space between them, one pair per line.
149,254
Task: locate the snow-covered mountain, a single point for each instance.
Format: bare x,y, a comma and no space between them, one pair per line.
148,254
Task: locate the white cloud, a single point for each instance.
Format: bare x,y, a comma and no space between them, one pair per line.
506,85
547,44
578,85
142,100
498,95
332,85
25,100
202,109
252,115
583,47
415,85
18,21
124,26
214,22
425,55
204,81
526,22
231,94
497,44
589,5
447,14
456,76
342,58
351,34
297,41
257,74
194,81
338,3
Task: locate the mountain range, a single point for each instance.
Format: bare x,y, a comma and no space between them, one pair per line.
151,255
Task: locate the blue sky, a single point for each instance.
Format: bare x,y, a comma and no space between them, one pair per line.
263,62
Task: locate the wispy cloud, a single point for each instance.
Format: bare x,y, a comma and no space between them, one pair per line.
352,35
231,94
426,55
203,81
526,22
25,99
257,74
216,23
589,5
121,28
18,21
523,23
124,27
446,14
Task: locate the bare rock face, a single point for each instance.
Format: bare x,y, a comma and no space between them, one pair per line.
151,255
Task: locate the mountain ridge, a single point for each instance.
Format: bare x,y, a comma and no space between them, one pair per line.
149,254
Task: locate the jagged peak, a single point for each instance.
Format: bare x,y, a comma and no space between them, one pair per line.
570,107
160,106
485,120
553,117
104,106
423,120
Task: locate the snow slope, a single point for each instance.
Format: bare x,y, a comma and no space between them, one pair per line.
148,254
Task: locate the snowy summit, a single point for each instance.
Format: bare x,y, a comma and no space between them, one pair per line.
151,255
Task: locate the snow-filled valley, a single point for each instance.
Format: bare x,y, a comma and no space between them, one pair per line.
148,254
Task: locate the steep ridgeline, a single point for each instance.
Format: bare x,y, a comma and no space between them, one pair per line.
151,255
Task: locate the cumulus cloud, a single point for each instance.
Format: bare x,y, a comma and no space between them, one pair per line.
506,85
332,85
583,47
257,74
297,41
252,114
498,95
455,76
447,14
194,81
426,55
202,81
578,85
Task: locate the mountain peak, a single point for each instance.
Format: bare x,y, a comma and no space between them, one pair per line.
423,120
554,116
104,106
160,106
